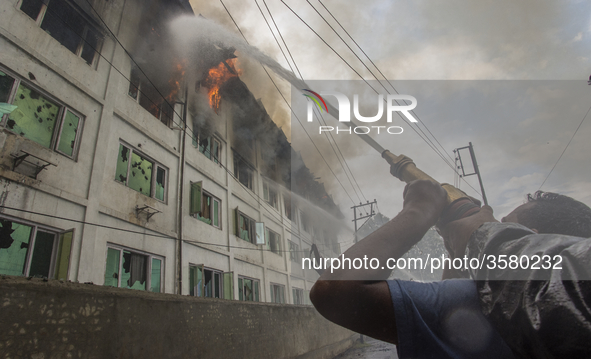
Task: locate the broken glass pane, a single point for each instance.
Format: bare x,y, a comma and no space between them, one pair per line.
155,275
35,116
68,135
112,270
140,176
41,260
122,164
6,83
64,24
134,83
134,271
160,178
216,151
14,246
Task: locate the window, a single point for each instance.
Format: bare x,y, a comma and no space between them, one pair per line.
294,252
248,289
140,173
209,146
270,195
287,205
66,24
304,220
273,241
243,171
39,118
204,206
32,250
210,283
135,270
141,90
277,293
298,296
248,229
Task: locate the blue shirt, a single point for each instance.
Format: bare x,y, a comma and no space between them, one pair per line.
443,320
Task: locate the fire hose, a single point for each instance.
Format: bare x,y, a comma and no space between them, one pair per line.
460,205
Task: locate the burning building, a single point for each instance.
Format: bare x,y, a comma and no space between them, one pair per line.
126,166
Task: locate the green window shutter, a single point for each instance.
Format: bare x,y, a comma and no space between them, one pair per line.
240,289
63,255
155,275
196,195
112,269
255,284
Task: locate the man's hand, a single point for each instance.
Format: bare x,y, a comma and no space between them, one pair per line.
427,196
456,234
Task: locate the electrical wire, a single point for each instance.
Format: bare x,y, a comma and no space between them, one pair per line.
315,110
563,151
285,100
426,138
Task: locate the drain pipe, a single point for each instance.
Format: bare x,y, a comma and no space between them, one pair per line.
179,256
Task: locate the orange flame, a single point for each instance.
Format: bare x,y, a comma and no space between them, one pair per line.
216,78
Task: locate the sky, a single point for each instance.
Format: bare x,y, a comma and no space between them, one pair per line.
510,77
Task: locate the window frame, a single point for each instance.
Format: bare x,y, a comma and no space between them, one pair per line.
60,117
83,40
304,222
155,166
241,163
150,257
253,229
270,195
255,294
273,298
55,251
135,73
196,137
203,194
277,238
294,252
297,293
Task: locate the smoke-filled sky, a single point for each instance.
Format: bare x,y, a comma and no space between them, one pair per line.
519,127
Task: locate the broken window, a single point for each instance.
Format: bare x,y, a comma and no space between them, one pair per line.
273,241
248,289
270,195
245,227
32,250
39,118
277,293
210,146
204,206
66,24
140,173
294,252
210,283
243,171
144,92
134,270
298,296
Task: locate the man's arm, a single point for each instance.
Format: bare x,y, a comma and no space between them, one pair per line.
359,299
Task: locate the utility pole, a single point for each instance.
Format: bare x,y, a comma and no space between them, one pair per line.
474,164
371,213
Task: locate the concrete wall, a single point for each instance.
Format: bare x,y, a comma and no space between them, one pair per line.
67,320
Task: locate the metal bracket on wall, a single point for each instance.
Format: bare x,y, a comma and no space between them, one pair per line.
21,158
150,211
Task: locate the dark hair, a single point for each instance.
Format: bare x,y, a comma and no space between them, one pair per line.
556,213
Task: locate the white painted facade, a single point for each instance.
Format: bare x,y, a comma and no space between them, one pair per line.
82,193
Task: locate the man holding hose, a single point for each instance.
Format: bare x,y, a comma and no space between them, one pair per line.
538,310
